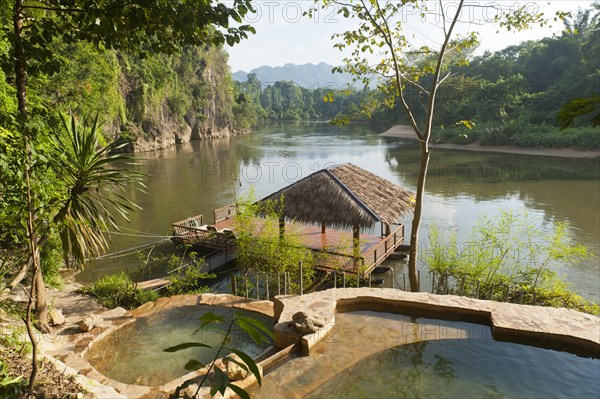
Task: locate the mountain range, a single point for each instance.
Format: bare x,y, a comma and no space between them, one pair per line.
308,75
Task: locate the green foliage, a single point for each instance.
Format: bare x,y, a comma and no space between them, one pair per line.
519,134
285,100
96,178
51,259
119,290
186,275
10,387
261,247
116,25
258,332
578,107
509,256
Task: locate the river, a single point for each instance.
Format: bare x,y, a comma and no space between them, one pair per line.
197,177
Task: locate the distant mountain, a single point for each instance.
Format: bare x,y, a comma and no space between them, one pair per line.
307,75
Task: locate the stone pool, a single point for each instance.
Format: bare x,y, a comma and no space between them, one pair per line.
133,354
360,353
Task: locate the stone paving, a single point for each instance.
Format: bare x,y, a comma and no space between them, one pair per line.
548,327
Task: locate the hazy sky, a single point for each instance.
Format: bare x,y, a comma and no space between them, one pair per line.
283,35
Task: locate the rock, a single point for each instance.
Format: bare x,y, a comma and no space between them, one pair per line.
89,322
306,324
56,317
233,371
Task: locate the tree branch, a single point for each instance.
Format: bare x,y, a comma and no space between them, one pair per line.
438,71
390,44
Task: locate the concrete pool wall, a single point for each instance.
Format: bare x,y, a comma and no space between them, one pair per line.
72,353
553,328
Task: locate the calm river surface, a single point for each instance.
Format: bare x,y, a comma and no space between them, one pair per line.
197,177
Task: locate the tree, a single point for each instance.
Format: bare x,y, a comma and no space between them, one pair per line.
138,26
381,46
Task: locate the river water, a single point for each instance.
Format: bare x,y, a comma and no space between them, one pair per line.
197,177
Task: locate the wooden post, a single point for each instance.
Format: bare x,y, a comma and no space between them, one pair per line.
300,276
432,281
247,293
278,284
267,285
233,284
257,290
344,279
446,275
334,279
323,227
369,280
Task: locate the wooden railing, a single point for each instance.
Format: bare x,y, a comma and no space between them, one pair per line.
193,231
188,225
225,212
368,261
381,251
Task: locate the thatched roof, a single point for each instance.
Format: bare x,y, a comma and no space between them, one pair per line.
344,196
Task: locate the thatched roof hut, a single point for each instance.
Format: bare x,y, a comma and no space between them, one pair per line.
344,196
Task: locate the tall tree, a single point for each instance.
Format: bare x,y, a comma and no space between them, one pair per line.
137,26
380,45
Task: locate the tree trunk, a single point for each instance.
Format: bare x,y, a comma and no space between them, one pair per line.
41,308
21,84
414,232
20,274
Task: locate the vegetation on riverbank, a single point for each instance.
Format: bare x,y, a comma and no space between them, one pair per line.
508,97
508,259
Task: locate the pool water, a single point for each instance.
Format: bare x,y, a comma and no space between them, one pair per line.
466,369
133,354
388,356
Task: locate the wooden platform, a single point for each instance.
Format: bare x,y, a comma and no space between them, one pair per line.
334,246
154,284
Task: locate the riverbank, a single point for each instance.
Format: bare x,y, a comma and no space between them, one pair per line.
406,132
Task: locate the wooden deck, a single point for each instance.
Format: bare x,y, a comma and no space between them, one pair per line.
334,247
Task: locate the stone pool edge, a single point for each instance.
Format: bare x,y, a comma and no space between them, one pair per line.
71,354
556,328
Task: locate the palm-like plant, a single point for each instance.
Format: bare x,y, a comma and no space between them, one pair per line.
96,178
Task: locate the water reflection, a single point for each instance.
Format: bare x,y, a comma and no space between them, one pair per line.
197,177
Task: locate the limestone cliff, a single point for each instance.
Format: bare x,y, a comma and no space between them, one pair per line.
175,99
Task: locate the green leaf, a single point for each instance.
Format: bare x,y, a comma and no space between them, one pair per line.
193,365
207,319
221,382
255,324
186,345
239,391
253,368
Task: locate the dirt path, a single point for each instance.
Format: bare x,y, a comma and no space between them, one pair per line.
406,132
74,306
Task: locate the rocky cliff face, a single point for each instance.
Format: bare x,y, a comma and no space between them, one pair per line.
175,99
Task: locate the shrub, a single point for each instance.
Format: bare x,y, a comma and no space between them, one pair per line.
119,290
510,259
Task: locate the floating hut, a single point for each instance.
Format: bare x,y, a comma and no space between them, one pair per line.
327,208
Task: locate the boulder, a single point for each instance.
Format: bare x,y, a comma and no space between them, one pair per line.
56,317
234,371
306,324
89,322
